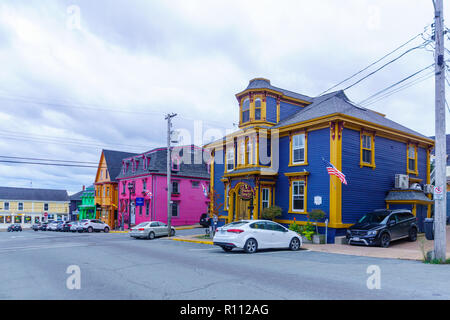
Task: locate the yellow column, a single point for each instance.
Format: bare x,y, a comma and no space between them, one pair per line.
335,183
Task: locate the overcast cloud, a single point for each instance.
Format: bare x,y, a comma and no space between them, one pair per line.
78,76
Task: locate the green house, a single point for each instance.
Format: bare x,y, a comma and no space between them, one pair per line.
87,208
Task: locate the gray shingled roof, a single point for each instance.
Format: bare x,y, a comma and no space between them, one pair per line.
407,195
76,196
260,83
11,193
158,164
337,102
114,161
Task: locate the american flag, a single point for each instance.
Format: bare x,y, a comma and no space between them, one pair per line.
332,171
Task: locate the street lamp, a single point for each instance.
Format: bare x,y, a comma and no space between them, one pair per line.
130,189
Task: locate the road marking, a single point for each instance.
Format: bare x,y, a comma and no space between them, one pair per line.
55,246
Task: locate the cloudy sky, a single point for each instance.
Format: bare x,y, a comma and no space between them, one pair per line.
81,75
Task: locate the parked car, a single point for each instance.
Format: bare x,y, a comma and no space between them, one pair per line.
43,226
14,227
66,226
36,226
76,227
59,226
204,222
380,227
91,225
151,230
52,226
252,235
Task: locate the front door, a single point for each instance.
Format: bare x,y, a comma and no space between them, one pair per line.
242,209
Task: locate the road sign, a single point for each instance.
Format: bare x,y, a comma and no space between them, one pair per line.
139,202
438,193
45,214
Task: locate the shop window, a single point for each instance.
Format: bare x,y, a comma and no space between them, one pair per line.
2,219
27,219
18,219
7,219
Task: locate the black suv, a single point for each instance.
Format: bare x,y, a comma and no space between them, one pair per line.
383,226
15,227
204,222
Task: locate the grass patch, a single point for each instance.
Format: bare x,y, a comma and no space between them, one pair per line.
436,261
203,237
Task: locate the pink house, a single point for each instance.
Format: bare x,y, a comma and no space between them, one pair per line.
143,180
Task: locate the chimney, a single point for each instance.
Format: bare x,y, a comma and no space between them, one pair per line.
83,187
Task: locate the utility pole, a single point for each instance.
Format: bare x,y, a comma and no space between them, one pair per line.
440,204
169,170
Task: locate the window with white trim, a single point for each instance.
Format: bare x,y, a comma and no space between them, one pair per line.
230,159
298,148
265,197
298,196
20,206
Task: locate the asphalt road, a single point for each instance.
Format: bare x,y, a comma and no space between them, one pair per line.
33,265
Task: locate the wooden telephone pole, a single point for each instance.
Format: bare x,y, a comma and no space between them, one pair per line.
440,203
169,171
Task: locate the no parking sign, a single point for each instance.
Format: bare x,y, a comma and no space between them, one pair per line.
438,193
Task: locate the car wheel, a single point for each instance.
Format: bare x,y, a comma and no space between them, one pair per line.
172,233
151,235
227,249
412,234
251,246
295,244
106,230
90,229
385,240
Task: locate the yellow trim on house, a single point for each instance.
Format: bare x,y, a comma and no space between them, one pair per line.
335,183
320,224
296,174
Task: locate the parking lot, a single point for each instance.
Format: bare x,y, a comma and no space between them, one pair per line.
34,265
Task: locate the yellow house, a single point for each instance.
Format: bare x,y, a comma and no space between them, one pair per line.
106,185
28,205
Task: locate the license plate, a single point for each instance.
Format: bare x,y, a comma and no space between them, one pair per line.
356,238
222,231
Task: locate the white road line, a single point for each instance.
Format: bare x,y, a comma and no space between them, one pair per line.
44,247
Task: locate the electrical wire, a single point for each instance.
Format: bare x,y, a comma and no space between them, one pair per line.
380,59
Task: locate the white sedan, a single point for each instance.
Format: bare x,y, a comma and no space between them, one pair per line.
252,235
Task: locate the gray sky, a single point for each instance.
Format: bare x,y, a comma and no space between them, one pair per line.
78,76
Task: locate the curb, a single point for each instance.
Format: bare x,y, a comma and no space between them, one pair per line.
188,227
118,231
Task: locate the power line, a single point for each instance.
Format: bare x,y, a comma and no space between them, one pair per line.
372,64
395,84
54,160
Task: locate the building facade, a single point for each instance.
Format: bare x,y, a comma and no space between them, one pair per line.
106,188
143,187
29,205
75,201
277,156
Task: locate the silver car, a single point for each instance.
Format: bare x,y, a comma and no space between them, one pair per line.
150,230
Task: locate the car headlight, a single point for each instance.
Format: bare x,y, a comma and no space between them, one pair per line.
349,232
372,233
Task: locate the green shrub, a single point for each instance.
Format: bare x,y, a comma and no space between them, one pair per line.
271,212
316,215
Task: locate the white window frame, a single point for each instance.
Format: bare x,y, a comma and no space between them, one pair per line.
6,204
18,206
46,204
298,147
230,159
302,196
267,201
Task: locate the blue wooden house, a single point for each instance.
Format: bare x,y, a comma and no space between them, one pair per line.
276,158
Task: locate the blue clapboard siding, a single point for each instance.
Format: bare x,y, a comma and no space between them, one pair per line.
287,110
318,182
367,188
271,109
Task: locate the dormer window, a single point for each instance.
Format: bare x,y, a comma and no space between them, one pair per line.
246,110
175,165
258,109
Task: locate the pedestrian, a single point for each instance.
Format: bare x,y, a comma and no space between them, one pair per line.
211,226
215,219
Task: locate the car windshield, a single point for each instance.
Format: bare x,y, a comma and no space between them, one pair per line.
374,217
